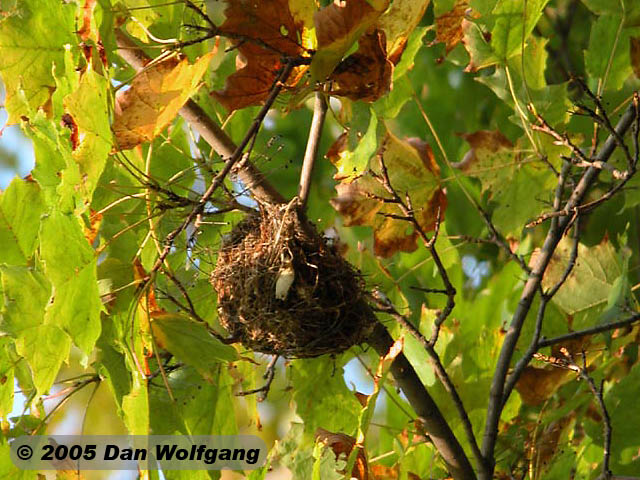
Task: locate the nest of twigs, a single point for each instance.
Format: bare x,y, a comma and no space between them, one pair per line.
282,289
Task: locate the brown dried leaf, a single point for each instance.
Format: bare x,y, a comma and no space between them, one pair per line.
413,170
537,384
634,50
449,25
155,96
265,32
342,444
366,74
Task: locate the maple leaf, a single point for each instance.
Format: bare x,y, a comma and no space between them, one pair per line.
449,25
338,27
264,33
366,74
155,96
413,170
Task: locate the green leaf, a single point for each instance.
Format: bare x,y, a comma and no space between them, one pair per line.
26,294
89,107
20,208
135,406
607,57
70,265
334,407
591,280
192,343
32,41
510,22
44,357
8,469
7,366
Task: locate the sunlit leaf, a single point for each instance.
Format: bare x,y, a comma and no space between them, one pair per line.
71,268
32,46
400,19
155,96
191,343
20,208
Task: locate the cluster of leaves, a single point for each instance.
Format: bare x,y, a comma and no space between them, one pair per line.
100,276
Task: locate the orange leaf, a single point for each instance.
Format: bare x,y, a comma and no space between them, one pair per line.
366,74
342,444
412,169
155,96
265,32
449,25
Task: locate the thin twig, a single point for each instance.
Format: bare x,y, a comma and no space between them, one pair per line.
315,132
606,419
607,327
409,215
269,375
429,415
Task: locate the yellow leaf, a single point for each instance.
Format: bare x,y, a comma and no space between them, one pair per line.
155,96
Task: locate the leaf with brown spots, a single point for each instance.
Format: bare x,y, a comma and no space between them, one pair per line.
400,19
155,96
338,27
342,445
85,30
264,32
413,171
449,25
366,74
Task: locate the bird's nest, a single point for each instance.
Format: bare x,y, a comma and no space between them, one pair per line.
282,289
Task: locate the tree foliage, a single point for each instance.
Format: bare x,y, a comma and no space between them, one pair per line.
480,157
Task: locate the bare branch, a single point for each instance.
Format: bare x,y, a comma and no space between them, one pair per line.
315,132
195,116
441,373
547,342
435,425
532,285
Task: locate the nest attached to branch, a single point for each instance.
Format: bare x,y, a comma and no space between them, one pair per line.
282,289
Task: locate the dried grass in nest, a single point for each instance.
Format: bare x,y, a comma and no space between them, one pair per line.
325,310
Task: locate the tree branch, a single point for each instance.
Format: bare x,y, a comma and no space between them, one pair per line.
435,425
195,116
554,235
315,132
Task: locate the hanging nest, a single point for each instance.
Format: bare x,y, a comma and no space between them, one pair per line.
283,290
